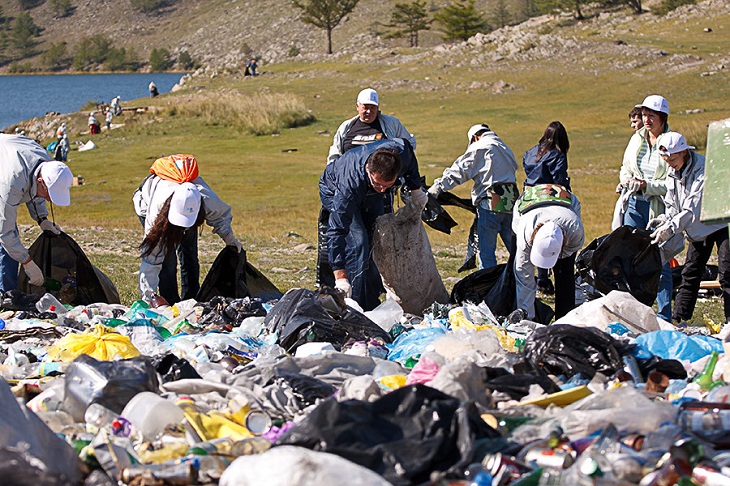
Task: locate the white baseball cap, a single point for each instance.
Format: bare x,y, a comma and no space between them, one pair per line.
185,205
368,96
671,143
58,179
476,129
547,245
656,103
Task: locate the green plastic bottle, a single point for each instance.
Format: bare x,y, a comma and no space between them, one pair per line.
704,379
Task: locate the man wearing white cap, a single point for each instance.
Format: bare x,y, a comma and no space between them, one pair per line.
27,175
490,163
368,126
549,232
644,177
683,200
171,213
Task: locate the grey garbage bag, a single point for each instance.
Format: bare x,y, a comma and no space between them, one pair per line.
402,252
30,453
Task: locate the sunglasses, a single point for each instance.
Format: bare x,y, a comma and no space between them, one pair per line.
376,185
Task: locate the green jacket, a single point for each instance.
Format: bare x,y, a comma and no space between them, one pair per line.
656,187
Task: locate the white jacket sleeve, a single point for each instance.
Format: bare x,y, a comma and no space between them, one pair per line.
149,277
463,169
218,214
338,141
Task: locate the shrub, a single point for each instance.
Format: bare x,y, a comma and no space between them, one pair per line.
120,59
61,8
667,6
293,51
160,60
20,67
29,4
185,60
150,6
262,114
56,57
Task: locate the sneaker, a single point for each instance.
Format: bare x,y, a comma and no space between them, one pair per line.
546,287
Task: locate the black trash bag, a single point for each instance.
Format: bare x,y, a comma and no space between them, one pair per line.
62,259
570,350
670,367
450,199
303,316
16,300
231,275
307,389
517,385
437,217
623,260
109,383
396,436
172,368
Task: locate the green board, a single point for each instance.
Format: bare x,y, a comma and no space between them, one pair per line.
716,196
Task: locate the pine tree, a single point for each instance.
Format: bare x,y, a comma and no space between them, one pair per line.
24,33
325,14
461,21
409,19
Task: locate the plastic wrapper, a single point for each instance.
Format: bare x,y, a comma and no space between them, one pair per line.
413,343
231,275
569,350
676,345
388,436
303,316
109,383
172,368
99,342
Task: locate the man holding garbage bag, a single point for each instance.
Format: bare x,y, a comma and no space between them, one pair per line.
549,232
355,189
171,203
685,182
28,175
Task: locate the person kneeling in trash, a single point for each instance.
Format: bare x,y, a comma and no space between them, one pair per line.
549,232
355,189
171,212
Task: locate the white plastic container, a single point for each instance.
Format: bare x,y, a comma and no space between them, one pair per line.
48,303
150,413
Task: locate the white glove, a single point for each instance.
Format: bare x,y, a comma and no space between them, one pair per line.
434,190
634,186
231,240
419,197
662,233
344,285
48,225
35,276
656,222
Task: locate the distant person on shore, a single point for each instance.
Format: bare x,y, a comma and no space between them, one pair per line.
61,130
116,105
370,125
547,163
94,127
635,118
491,165
171,211
251,68
62,147
28,176
108,119
153,90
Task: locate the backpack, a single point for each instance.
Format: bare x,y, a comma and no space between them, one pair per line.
543,195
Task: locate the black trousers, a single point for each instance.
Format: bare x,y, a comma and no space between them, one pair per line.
564,271
698,253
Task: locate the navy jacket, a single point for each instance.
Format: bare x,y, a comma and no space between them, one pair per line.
552,168
345,189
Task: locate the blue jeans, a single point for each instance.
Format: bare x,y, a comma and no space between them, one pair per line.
489,225
8,271
637,215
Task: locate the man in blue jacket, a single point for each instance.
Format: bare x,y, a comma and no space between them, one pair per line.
356,189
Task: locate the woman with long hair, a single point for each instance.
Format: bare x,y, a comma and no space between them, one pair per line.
547,163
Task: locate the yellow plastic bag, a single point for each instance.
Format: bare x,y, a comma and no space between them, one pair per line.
459,321
393,382
99,342
212,425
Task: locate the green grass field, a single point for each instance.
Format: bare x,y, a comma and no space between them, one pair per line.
271,181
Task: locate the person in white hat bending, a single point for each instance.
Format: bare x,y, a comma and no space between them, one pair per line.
490,163
171,213
549,232
644,177
683,200
368,126
27,175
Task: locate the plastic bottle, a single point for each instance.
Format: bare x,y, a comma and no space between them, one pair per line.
704,379
48,303
712,425
158,301
150,413
51,284
97,416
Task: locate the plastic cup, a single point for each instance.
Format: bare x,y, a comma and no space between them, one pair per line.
150,414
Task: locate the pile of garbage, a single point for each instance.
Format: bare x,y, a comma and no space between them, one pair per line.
308,389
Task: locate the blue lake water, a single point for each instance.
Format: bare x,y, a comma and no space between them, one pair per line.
23,97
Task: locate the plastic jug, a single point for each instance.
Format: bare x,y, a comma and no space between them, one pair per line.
48,303
150,413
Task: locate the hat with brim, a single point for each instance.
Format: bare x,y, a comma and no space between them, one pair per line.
185,205
656,103
368,96
671,143
481,127
58,179
547,245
